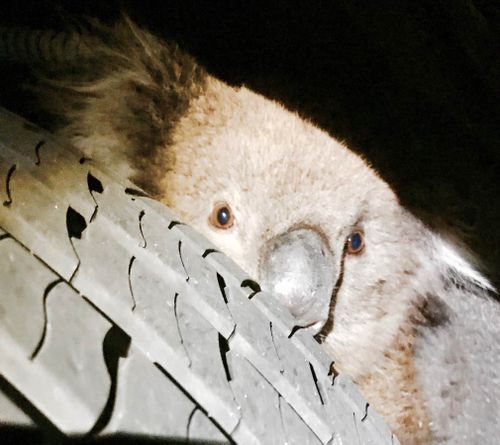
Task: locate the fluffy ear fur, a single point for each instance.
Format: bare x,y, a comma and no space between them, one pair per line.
457,352
120,100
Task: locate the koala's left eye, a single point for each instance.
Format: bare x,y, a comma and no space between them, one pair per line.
222,217
355,242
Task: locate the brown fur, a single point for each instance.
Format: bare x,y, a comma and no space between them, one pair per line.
125,99
393,391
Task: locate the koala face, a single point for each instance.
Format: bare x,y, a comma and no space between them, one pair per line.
305,216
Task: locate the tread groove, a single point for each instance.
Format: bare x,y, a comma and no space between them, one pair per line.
144,241
41,342
224,349
75,225
37,151
8,179
115,345
130,264
179,331
94,185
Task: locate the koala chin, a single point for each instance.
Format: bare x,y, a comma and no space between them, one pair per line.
400,308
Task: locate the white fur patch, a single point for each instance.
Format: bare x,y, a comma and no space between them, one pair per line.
461,268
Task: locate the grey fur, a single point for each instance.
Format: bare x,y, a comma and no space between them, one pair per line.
459,363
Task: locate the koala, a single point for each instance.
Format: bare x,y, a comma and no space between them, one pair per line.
402,309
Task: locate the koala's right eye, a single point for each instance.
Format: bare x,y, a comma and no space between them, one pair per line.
222,217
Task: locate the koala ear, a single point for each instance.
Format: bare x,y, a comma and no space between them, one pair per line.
459,266
124,94
458,359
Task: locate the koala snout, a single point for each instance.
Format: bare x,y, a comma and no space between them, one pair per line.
298,268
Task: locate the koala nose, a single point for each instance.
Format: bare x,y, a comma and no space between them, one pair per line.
298,268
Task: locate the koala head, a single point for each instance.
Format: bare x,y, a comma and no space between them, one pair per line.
309,219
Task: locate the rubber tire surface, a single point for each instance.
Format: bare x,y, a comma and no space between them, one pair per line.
117,319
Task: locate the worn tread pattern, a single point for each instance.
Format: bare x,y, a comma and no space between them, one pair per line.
117,318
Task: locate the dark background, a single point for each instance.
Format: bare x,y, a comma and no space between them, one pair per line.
413,85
